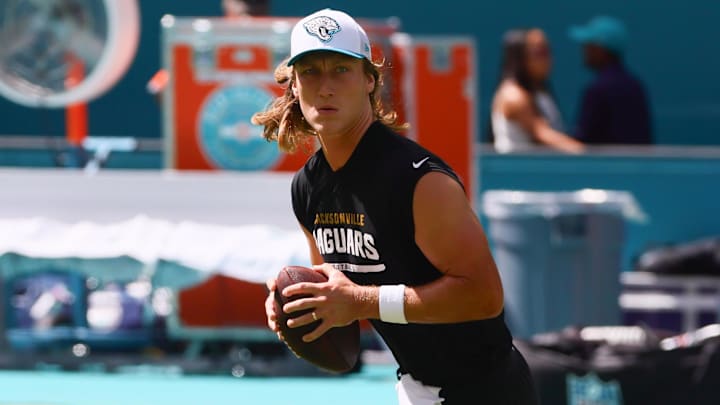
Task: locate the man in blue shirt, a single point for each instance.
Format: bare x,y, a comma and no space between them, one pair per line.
614,108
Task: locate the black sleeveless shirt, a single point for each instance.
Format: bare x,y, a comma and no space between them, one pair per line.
361,217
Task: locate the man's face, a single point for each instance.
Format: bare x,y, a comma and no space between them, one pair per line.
333,90
594,55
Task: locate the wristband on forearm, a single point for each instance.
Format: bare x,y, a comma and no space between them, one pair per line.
392,303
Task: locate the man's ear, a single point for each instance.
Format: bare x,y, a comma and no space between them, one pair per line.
370,83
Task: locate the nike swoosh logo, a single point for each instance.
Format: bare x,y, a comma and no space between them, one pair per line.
416,165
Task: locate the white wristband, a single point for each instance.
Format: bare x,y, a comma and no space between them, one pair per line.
392,303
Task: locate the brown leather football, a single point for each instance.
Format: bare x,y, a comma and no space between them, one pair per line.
338,349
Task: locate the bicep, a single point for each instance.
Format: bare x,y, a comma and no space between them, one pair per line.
448,231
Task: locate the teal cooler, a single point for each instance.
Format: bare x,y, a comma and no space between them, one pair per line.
559,255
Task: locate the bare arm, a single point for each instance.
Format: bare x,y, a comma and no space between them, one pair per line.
451,237
517,106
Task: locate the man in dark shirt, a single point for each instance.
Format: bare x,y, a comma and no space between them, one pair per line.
413,257
614,108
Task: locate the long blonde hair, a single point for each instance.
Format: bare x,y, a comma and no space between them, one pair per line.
284,122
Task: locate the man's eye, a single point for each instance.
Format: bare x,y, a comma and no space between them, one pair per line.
341,69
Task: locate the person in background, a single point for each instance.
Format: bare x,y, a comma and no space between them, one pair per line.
524,112
614,107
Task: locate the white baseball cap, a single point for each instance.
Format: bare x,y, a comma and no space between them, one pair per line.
329,30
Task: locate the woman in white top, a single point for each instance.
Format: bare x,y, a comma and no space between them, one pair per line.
524,113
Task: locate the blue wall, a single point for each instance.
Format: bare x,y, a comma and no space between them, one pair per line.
678,193
671,48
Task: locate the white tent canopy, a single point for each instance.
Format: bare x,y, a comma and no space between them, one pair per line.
173,254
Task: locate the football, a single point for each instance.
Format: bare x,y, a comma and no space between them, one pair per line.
338,349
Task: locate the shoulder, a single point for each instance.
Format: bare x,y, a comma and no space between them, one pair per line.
401,151
306,174
636,81
388,146
612,80
301,188
416,162
597,88
436,188
403,158
513,99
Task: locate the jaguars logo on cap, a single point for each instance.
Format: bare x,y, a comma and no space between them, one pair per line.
322,27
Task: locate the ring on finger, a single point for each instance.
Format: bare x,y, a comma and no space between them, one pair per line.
314,316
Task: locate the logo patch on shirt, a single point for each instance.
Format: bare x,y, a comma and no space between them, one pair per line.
416,165
322,27
341,240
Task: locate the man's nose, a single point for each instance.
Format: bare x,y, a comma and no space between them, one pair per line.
327,85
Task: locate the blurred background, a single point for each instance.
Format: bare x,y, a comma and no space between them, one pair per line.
667,46
140,211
